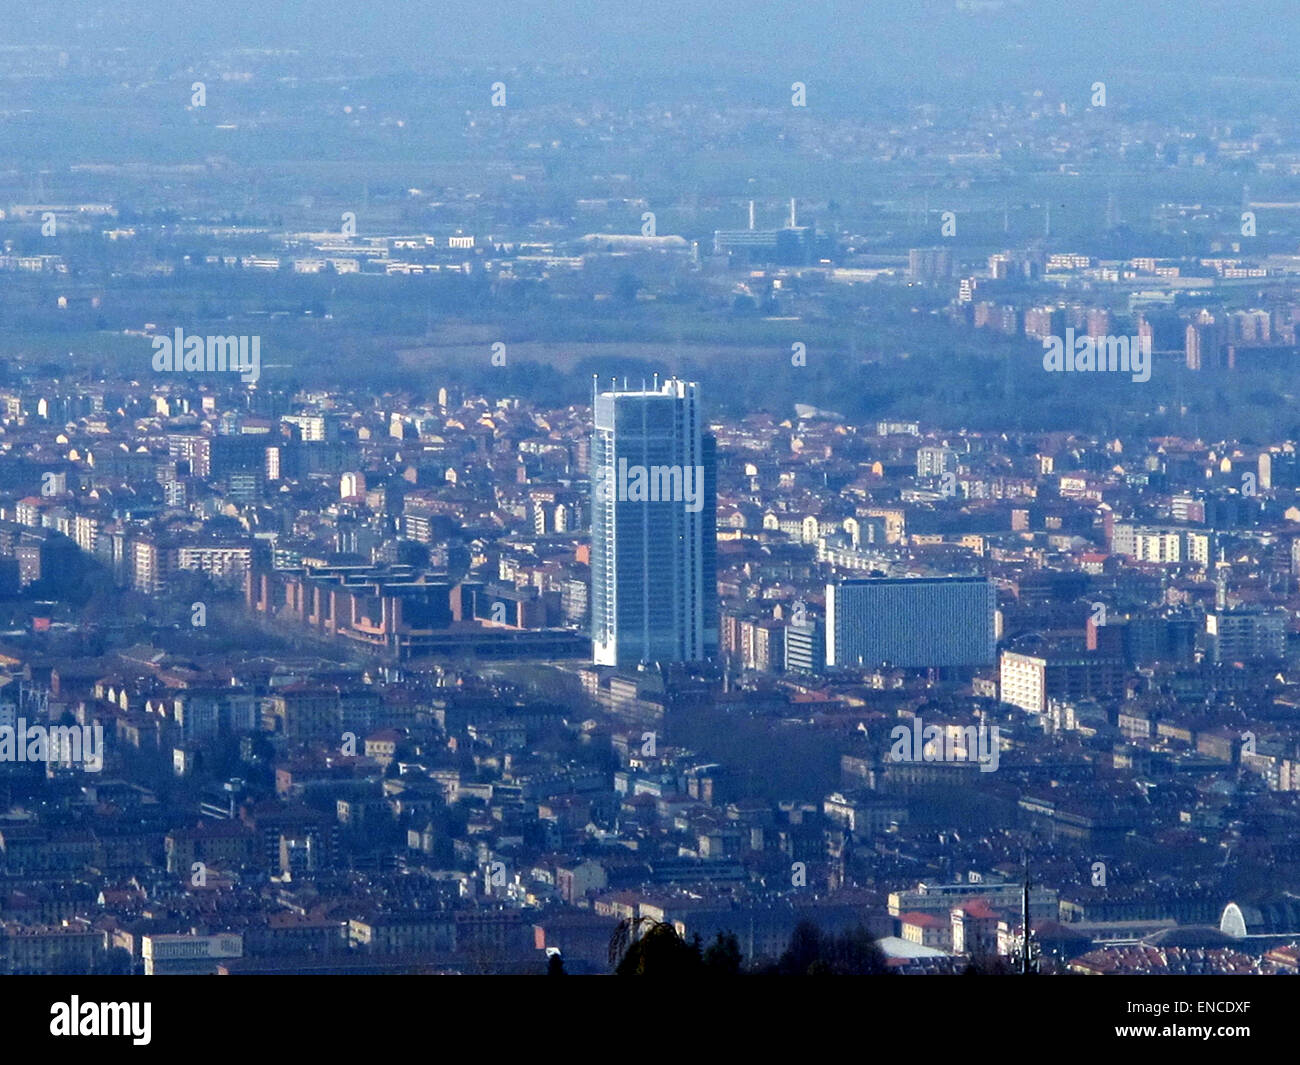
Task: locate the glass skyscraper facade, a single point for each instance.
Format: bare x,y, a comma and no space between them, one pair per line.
911,622
653,528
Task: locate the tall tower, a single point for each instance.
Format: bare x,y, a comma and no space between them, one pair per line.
653,527
1025,926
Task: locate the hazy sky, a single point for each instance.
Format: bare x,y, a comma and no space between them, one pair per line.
829,36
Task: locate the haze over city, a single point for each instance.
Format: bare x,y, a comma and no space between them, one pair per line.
675,489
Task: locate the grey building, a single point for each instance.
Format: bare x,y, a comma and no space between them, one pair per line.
1245,636
805,647
910,622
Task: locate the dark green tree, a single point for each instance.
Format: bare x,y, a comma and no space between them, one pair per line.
805,948
855,953
723,957
988,966
813,953
626,288
658,950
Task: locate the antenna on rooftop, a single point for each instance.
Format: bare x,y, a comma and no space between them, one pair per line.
1024,921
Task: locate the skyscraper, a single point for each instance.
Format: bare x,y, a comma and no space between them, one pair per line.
653,527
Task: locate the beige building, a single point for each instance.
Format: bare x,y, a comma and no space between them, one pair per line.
926,930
